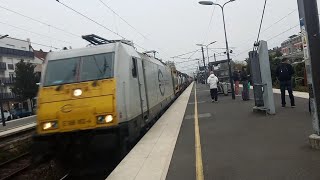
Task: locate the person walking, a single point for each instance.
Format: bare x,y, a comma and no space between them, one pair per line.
213,83
236,79
245,81
284,73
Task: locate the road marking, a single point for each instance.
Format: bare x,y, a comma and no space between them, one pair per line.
199,165
205,115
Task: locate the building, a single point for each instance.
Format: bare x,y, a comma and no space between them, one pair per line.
292,48
39,57
276,51
13,51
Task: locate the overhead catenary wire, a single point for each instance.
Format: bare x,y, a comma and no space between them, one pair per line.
271,38
188,69
184,54
188,65
44,45
283,32
291,12
99,24
40,44
41,22
270,26
22,29
107,6
281,19
180,62
180,58
209,26
113,11
193,54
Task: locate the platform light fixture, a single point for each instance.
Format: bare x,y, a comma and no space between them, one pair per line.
225,33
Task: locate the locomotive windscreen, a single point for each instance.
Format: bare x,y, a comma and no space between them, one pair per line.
79,69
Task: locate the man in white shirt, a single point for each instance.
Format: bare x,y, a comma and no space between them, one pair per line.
213,82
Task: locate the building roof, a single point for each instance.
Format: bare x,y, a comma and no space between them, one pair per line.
40,54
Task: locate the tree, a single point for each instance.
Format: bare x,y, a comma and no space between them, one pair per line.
239,64
25,86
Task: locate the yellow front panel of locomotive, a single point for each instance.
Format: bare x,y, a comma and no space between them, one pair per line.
70,113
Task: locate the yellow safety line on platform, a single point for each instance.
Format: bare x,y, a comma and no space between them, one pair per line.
199,166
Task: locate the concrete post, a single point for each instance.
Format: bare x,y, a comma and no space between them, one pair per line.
266,77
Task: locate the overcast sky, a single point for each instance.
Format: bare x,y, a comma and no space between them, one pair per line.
171,27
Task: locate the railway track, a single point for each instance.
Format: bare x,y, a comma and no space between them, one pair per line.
65,177
15,166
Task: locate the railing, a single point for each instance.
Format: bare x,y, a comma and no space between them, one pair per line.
6,96
16,52
7,80
3,66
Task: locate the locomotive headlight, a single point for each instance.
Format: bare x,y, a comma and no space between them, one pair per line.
109,119
77,92
105,119
50,125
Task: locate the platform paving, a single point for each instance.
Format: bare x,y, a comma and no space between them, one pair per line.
151,157
17,123
238,144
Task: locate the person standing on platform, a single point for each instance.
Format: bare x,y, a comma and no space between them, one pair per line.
245,81
213,83
236,79
284,74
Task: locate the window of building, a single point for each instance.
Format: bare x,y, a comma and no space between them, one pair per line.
10,66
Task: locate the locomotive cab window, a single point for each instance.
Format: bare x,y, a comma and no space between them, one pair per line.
79,69
134,67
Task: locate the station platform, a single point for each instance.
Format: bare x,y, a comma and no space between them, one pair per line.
17,123
17,127
235,143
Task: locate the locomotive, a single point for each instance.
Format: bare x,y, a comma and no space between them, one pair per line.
103,96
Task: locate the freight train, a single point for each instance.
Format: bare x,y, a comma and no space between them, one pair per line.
103,96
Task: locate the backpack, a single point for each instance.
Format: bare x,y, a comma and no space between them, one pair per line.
284,73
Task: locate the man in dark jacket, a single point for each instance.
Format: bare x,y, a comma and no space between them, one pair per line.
284,74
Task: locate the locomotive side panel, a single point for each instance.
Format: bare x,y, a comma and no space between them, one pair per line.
159,85
122,69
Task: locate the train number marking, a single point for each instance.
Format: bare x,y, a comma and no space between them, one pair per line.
75,122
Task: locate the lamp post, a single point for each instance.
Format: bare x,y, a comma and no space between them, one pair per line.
225,34
204,63
207,49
